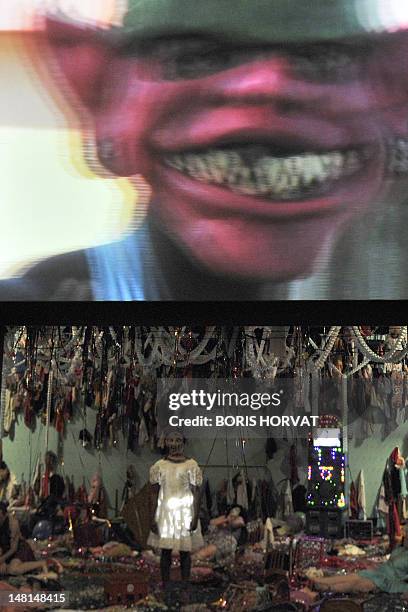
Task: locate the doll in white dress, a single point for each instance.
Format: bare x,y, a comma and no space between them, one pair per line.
176,482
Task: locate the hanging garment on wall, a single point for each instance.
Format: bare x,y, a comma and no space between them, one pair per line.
269,498
397,381
207,496
395,472
299,498
230,491
271,448
391,492
143,433
353,504
255,507
241,496
8,412
285,504
69,489
361,496
222,498
294,475
381,502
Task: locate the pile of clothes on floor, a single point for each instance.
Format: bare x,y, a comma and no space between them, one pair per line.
267,573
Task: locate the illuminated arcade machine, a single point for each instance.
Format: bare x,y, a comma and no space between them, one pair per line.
326,480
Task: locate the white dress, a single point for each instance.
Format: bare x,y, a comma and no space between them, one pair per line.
175,506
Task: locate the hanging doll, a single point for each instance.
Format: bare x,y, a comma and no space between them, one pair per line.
175,523
392,490
81,495
42,482
129,490
97,496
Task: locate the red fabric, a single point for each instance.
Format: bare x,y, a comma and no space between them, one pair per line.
395,455
45,484
59,420
82,495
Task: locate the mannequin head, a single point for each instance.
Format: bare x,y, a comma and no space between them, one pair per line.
175,444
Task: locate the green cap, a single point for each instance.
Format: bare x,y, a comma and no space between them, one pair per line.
264,21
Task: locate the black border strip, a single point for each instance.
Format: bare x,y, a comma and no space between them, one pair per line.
204,313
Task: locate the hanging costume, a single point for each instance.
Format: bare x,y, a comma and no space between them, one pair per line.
392,488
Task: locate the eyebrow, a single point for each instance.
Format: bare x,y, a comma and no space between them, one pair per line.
143,45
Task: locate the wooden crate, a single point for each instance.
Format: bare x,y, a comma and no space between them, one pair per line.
126,588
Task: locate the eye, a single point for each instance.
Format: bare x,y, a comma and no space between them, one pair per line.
189,59
330,63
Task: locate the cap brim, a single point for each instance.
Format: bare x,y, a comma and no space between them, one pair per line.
263,21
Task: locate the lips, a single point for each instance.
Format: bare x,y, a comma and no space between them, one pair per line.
269,172
255,159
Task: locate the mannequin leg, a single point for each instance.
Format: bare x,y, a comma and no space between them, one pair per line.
185,564
165,564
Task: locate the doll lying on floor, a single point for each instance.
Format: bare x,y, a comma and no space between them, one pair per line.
224,535
390,577
16,556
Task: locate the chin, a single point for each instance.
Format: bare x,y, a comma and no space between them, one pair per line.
257,252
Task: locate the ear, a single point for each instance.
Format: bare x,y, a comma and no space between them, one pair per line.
82,56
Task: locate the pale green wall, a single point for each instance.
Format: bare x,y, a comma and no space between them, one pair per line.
113,462
371,455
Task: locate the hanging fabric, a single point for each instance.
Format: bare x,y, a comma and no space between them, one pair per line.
361,496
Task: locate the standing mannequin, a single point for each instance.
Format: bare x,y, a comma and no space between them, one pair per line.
175,525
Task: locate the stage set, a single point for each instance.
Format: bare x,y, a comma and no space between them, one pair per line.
103,507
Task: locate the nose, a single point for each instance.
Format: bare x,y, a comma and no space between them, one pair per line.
269,79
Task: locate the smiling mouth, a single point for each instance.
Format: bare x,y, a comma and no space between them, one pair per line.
270,173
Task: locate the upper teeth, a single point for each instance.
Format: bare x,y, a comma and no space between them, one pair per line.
267,175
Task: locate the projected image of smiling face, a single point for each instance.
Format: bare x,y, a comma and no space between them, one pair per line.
257,155
263,135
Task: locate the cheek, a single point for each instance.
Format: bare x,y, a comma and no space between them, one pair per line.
135,104
388,74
